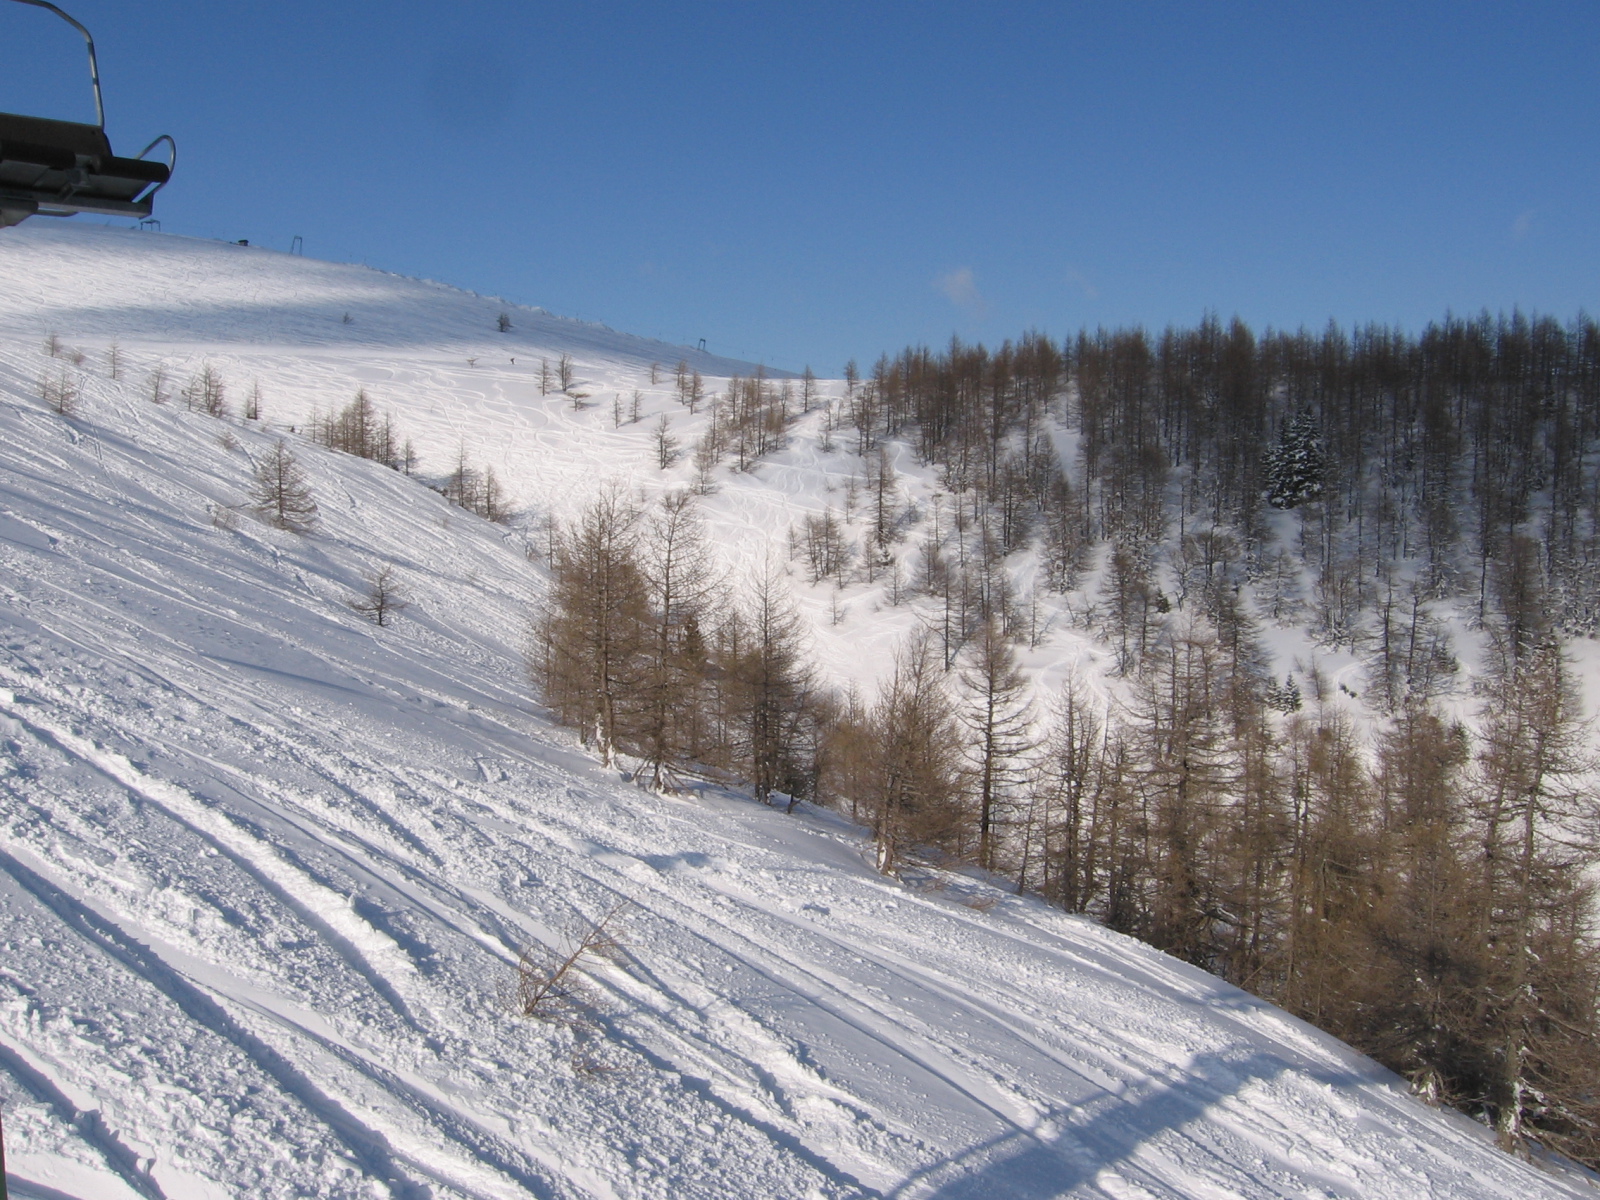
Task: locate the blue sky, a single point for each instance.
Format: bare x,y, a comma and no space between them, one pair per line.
808,182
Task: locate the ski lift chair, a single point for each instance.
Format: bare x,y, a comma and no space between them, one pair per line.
61,168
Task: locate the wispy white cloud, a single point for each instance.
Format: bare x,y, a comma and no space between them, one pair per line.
1081,281
1521,226
960,287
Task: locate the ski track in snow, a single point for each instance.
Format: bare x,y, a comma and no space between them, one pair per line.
265,869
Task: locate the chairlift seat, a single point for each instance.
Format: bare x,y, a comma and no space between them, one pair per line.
58,168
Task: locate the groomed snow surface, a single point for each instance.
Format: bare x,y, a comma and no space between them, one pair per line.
266,868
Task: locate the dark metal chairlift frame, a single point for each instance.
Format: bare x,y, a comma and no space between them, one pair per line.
61,168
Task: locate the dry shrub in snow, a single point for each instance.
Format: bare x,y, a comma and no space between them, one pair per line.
60,392
549,983
383,599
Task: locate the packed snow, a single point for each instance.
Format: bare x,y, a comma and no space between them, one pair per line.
266,869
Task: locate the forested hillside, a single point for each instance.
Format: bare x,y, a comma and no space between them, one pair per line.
301,893
1410,873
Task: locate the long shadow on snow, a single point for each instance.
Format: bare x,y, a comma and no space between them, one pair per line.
27,1189
706,1090
346,950
486,1147
90,1126
1019,1166
382,323
369,1148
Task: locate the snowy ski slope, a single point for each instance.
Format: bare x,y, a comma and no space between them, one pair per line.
433,357
265,868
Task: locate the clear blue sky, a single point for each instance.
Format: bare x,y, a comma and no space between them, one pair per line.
806,182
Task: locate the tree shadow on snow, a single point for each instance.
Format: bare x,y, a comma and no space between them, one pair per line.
1019,1166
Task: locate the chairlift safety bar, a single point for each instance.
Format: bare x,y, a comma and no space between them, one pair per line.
94,65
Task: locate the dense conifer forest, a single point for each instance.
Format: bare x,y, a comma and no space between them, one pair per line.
1414,878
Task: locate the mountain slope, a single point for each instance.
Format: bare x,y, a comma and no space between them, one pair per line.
266,869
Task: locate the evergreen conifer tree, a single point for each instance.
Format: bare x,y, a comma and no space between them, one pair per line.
1297,466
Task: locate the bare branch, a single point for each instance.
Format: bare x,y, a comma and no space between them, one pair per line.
548,983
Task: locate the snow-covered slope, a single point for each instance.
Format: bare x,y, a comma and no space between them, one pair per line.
265,868
433,357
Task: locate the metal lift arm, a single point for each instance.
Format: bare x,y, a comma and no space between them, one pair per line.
58,168
94,65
